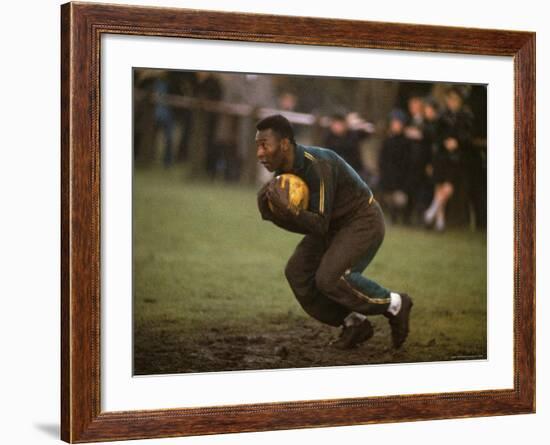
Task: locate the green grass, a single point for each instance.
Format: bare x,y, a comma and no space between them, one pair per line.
210,293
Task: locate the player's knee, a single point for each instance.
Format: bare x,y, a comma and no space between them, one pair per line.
325,283
291,273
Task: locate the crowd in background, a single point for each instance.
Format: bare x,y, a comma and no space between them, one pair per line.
153,116
429,168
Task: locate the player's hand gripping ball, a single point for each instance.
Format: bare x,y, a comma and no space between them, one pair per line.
288,192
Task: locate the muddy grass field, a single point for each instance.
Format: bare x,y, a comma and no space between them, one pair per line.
210,293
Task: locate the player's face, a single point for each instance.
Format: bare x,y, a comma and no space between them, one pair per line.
270,149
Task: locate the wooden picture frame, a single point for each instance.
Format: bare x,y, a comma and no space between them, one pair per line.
82,25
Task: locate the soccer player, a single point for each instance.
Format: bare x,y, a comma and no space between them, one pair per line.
344,227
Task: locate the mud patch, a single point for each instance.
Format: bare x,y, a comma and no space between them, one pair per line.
301,345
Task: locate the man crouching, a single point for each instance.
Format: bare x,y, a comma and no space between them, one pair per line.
344,228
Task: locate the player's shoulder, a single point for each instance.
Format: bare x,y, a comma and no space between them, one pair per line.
314,153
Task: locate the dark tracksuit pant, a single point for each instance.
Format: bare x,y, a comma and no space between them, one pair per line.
325,272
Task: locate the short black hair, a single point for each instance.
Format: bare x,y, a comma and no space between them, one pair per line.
278,124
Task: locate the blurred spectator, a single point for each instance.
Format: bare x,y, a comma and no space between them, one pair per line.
183,84
209,88
415,108
163,117
233,133
456,120
287,101
431,125
448,176
393,166
345,141
144,80
477,100
451,163
419,187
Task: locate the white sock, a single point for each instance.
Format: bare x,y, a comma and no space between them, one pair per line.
395,303
430,213
353,319
440,222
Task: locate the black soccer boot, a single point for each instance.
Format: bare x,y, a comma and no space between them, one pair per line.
400,323
352,336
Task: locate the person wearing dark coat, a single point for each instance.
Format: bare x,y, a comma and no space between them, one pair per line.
452,159
457,123
208,87
419,187
431,124
345,141
184,84
393,164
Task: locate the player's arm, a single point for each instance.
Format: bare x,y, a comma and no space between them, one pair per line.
314,220
263,203
268,215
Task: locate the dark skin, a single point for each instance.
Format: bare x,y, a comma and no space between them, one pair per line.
275,153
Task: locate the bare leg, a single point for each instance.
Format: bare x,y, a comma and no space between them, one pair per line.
443,193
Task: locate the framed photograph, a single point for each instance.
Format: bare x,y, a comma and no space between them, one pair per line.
274,222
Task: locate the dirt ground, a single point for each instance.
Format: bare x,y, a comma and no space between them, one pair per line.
298,345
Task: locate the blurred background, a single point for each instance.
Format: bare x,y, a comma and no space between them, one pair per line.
209,289
407,139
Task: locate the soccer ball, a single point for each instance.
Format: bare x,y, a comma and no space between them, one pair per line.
298,194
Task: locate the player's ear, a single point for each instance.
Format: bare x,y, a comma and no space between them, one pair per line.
285,144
